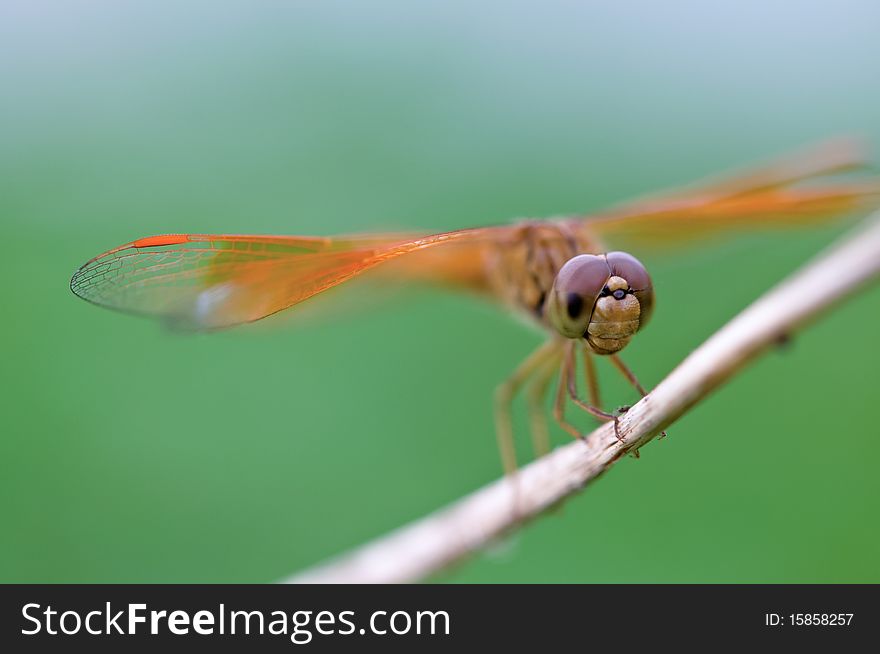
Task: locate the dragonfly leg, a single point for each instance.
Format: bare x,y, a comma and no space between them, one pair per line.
631,378
559,402
626,372
568,384
590,377
537,391
504,397
570,381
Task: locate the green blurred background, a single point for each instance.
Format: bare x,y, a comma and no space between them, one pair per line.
130,453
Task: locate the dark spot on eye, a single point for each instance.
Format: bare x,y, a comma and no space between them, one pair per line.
619,294
574,305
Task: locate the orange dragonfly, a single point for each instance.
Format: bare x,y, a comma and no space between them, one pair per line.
557,272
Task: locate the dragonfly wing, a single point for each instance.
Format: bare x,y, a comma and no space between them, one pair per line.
796,190
197,281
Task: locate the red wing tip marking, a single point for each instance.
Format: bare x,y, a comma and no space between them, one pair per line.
165,239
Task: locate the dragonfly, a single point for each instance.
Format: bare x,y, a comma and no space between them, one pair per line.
589,300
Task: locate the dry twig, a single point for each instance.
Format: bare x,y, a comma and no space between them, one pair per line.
449,535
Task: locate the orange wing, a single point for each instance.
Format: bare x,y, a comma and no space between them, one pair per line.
784,193
201,281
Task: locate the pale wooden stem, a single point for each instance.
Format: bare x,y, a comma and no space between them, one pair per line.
449,535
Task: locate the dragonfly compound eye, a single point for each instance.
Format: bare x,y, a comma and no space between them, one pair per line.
602,298
576,288
626,266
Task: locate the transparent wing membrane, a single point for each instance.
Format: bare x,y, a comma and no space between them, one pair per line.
200,281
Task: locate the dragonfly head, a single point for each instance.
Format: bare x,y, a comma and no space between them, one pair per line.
604,299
